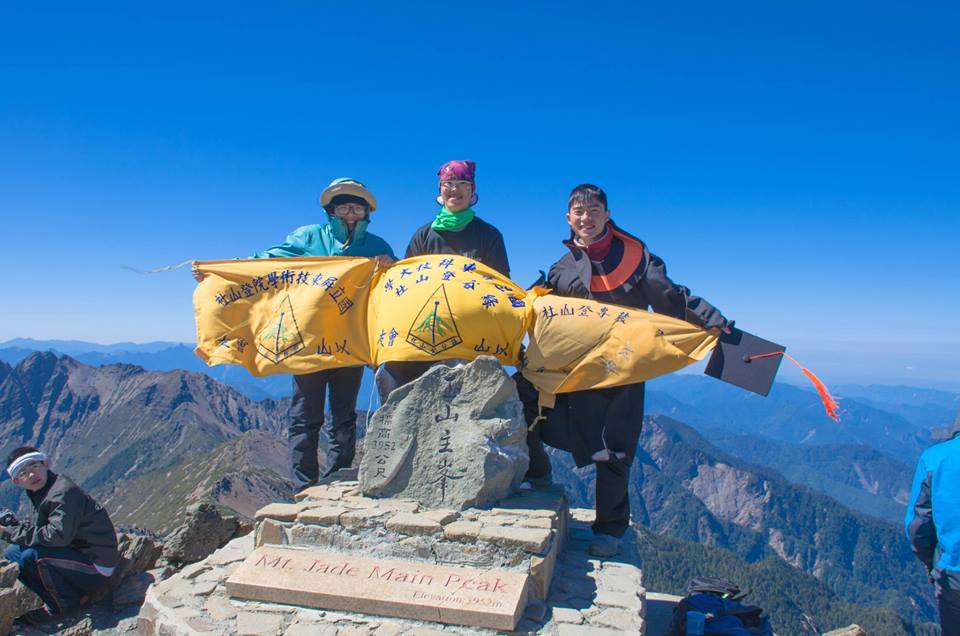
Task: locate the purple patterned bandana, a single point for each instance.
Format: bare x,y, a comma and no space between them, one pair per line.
459,170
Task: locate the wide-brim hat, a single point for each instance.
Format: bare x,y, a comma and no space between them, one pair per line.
347,186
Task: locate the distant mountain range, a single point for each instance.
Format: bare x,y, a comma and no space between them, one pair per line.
166,356
746,480
153,356
785,593
861,462
866,461
919,406
793,415
859,477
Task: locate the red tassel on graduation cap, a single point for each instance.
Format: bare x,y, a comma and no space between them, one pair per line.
829,402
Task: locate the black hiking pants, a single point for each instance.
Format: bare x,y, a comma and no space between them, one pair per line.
948,602
583,423
394,375
307,421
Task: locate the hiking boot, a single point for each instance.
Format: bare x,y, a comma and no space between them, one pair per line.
604,545
37,617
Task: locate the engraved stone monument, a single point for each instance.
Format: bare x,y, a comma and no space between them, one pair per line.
455,438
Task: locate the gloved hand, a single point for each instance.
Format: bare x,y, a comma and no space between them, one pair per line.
8,518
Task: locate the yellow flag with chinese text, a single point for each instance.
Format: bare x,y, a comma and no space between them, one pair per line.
446,307
300,315
577,344
291,315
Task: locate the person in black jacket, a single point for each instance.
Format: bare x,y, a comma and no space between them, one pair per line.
602,426
455,230
69,548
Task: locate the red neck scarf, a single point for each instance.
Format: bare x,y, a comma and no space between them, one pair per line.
598,250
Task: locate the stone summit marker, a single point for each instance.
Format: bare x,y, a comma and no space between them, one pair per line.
440,448
406,589
454,438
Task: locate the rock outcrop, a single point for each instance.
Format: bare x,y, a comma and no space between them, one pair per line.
15,599
203,531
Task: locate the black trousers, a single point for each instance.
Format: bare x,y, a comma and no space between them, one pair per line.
948,602
583,423
394,375
60,576
307,421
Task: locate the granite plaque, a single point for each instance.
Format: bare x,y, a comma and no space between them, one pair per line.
494,599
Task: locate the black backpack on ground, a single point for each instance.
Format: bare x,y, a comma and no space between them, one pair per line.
713,585
719,601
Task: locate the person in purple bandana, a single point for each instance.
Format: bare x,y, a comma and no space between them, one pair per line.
456,229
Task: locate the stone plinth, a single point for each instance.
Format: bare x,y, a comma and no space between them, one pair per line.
523,533
588,596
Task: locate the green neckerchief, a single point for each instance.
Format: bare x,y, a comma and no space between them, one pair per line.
452,221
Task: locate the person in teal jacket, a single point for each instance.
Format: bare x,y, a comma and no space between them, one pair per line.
348,204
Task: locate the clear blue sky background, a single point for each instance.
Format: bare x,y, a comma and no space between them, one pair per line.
798,166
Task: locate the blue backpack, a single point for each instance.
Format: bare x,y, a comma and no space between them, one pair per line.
718,604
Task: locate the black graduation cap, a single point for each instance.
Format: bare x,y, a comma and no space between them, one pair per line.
732,361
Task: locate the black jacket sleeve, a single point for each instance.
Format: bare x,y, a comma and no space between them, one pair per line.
670,299
920,527
496,256
566,277
63,515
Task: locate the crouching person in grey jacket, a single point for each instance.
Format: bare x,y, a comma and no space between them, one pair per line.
69,548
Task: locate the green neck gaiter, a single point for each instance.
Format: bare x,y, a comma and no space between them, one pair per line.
341,231
452,221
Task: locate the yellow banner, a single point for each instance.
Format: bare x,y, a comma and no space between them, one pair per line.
291,315
577,344
446,307
299,315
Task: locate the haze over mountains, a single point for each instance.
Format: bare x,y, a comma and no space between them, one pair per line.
767,489
154,356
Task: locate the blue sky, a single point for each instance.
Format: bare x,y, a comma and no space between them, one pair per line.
796,165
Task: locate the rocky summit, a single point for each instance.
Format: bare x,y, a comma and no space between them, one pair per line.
454,438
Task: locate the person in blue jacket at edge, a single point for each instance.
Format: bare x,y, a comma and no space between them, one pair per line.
933,524
348,204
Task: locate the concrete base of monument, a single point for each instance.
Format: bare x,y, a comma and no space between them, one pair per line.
523,533
492,574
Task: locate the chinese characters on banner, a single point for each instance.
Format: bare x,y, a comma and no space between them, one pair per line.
299,315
